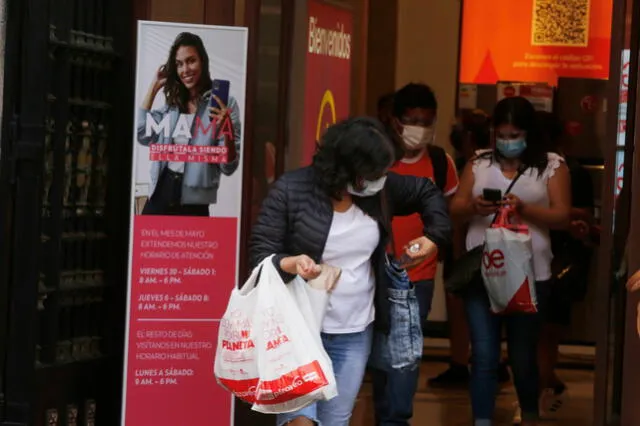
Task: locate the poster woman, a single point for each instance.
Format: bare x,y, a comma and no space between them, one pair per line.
187,188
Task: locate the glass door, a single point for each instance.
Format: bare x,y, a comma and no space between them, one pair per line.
629,351
616,345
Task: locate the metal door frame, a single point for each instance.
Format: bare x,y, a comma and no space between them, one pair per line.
21,182
615,350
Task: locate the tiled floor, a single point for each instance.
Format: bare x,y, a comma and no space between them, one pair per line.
451,408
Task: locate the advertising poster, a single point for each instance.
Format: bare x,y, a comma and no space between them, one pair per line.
624,95
186,207
622,120
540,95
328,71
467,96
535,40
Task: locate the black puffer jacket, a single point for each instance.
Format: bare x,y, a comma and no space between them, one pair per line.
296,217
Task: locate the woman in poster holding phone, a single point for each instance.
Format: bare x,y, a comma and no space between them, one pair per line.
197,115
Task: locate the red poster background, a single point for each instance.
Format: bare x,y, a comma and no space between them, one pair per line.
183,270
496,45
327,76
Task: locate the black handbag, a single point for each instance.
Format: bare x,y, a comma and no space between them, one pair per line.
570,267
466,268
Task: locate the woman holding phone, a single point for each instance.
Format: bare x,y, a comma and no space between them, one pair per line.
539,182
187,188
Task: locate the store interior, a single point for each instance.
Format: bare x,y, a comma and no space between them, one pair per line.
448,44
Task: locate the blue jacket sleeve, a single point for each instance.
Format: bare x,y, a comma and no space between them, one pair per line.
159,116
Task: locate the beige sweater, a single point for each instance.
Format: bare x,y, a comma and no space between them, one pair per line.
634,285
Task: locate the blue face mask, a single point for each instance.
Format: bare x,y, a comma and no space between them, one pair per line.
511,148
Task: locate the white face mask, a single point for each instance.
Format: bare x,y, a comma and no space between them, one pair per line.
417,137
369,187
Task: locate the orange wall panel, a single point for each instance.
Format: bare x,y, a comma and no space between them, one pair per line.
535,40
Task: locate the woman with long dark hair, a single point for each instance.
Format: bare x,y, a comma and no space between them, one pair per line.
332,213
187,188
542,199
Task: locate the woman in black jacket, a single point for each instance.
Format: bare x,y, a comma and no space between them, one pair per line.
336,212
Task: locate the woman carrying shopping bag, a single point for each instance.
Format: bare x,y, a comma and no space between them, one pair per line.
332,212
519,173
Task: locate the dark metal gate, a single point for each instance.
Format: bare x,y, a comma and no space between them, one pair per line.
64,183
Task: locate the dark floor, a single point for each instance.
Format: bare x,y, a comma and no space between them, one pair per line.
451,408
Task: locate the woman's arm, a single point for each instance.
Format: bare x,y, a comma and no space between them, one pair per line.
410,194
558,214
462,204
147,132
270,230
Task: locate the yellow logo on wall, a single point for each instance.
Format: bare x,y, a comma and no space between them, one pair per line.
327,101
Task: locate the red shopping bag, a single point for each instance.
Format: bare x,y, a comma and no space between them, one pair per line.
507,265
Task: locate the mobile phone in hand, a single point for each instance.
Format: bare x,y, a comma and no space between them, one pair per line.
492,195
220,88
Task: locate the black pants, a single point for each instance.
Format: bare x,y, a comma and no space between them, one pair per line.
165,200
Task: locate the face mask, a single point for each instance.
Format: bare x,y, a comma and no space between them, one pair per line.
417,137
511,148
369,187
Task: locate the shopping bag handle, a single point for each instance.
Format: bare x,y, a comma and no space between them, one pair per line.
519,173
256,274
505,220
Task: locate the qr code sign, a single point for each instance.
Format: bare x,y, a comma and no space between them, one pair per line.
560,23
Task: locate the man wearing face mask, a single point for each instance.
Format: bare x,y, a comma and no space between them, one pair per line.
413,124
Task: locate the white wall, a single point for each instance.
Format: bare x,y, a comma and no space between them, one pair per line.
427,52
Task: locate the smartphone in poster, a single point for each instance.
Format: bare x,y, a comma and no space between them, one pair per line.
186,207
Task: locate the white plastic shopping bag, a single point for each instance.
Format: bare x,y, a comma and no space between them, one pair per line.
507,265
236,363
294,368
312,297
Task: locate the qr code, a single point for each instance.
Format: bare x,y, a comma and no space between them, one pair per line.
560,23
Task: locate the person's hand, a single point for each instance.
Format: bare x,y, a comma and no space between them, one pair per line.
513,201
159,79
417,251
218,114
579,229
633,284
307,268
483,207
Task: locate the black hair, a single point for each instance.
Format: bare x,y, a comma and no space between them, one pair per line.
351,150
385,101
413,95
476,124
553,127
520,113
175,93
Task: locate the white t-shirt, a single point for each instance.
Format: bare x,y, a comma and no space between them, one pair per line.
178,166
531,188
352,239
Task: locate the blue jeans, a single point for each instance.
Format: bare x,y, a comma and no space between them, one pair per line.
485,330
393,390
349,354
